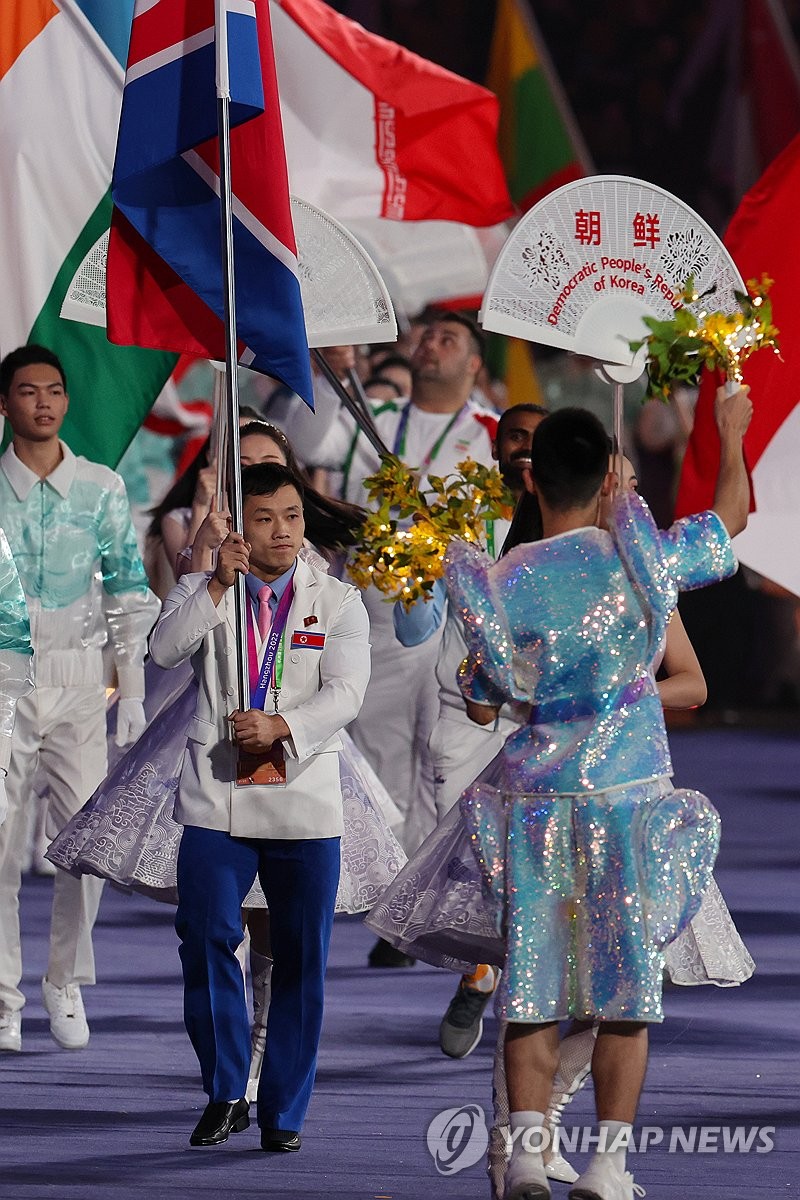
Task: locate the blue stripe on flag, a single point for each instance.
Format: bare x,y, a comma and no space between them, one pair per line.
178,214
156,122
245,64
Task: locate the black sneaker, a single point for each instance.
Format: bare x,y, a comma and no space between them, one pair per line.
462,1025
383,954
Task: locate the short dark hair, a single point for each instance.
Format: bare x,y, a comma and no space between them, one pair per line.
374,380
264,479
507,414
390,359
477,336
27,356
569,458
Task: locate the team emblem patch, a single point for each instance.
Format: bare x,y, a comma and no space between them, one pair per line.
303,640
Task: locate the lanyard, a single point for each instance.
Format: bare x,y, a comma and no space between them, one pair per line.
389,406
272,662
399,447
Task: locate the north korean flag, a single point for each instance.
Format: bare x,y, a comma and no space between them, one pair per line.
164,279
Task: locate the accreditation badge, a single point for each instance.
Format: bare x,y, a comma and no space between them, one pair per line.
262,770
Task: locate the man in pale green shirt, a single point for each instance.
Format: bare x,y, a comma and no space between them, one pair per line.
69,527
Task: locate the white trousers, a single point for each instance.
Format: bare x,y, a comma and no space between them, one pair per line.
63,732
459,751
396,720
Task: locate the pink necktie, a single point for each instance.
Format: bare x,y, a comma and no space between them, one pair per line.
264,611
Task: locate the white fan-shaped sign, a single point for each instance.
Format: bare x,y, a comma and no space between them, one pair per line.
583,267
85,298
344,298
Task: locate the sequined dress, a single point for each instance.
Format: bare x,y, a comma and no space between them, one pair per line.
436,910
590,860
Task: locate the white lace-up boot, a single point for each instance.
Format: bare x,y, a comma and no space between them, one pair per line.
574,1068
260,978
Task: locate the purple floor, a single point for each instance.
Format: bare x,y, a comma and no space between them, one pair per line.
112,1121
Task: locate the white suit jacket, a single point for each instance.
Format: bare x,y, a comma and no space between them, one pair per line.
322,691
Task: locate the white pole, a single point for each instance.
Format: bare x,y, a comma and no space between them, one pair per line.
231,351
617,400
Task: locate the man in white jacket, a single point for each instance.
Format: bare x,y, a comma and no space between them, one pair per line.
260,794
459,748
69,526
441,424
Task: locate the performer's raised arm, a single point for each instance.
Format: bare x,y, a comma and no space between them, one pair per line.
732,496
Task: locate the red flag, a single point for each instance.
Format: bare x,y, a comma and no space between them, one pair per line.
763,237
373,130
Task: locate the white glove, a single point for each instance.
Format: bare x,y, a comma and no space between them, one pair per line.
131,721
3,800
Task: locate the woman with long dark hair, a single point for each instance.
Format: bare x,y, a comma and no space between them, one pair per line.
175,520
331,525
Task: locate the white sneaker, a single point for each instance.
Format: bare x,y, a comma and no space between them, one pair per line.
526,1178
68,1025
555,1166
10,1030
601,1181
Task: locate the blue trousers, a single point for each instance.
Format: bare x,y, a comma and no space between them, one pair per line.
299,878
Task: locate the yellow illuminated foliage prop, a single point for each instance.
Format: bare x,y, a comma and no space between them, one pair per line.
404,539
678,349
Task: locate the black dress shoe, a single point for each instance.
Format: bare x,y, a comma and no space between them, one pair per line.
279,1140
220,1118
384,954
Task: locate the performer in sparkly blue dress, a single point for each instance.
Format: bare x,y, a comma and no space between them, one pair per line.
592,860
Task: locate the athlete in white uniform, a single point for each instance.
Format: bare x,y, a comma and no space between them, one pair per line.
69,526
459,748
439,426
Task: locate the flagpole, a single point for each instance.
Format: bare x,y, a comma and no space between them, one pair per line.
361,415
231,341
